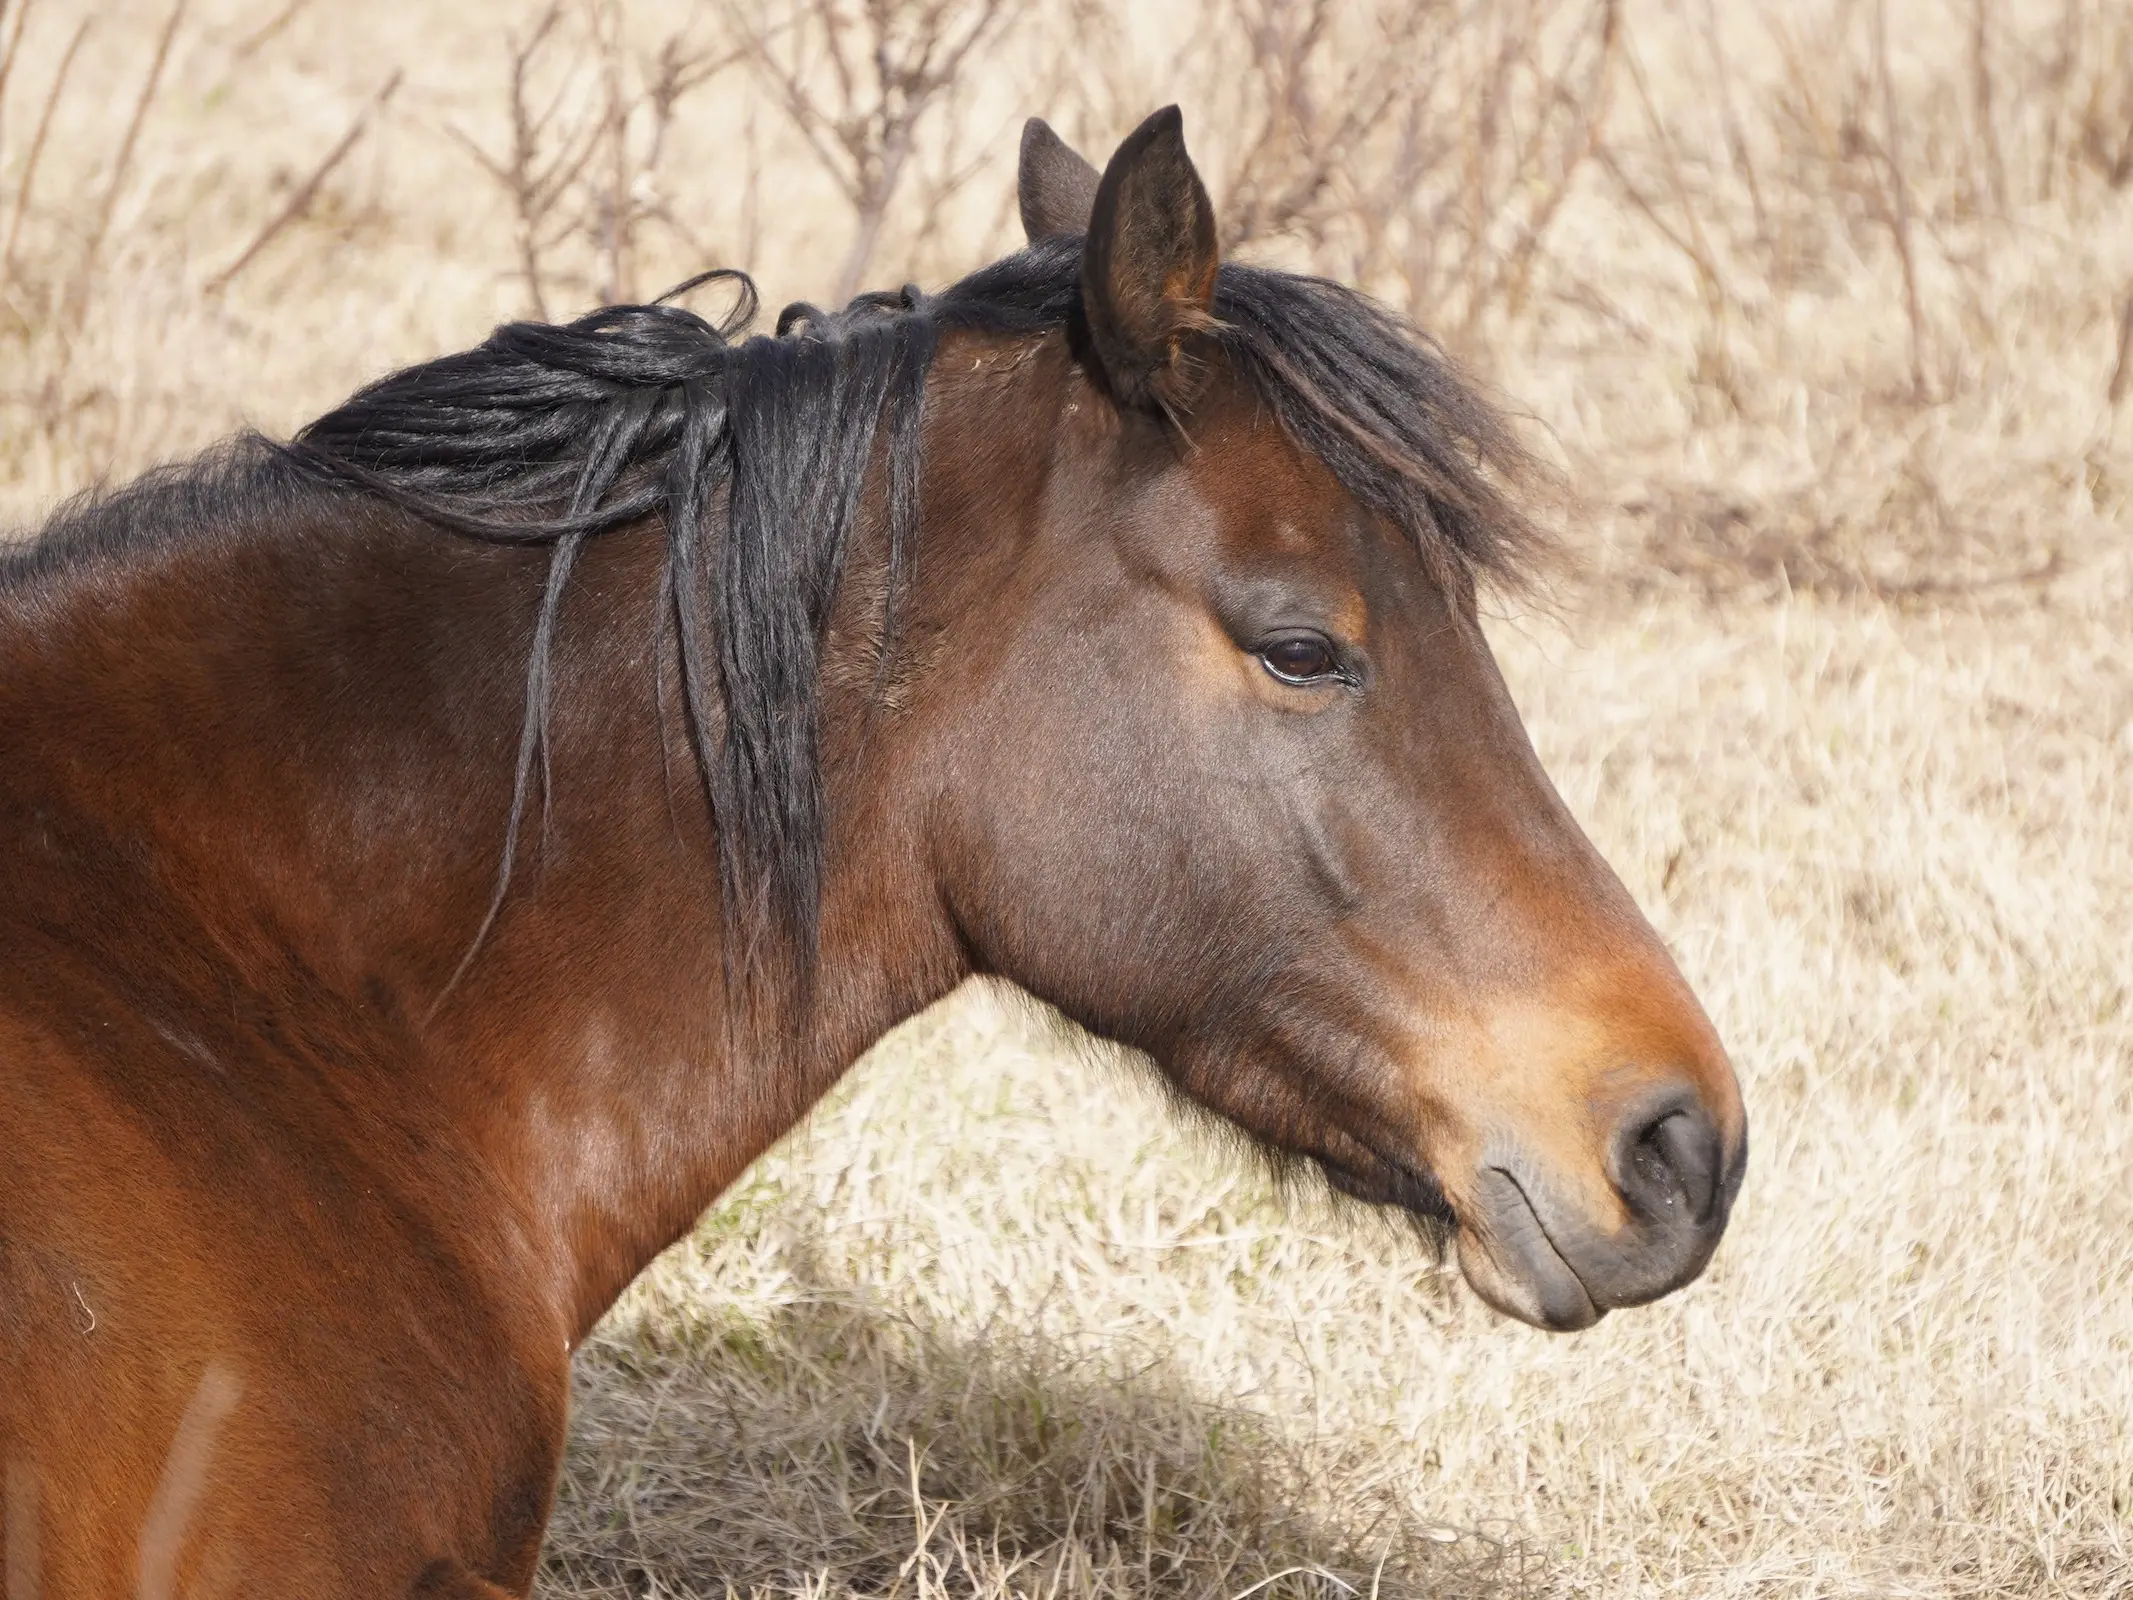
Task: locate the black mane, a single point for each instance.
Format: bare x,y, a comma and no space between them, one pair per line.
754,452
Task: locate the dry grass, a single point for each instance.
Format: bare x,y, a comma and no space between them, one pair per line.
1824,315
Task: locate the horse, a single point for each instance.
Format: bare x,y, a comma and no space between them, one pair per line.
439,851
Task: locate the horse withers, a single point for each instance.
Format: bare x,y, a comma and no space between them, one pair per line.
440,852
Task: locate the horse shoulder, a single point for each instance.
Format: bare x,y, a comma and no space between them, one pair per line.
236,1349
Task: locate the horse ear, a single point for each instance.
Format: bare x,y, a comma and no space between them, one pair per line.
1057,187
1148,266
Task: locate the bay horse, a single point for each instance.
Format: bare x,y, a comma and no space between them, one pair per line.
439,852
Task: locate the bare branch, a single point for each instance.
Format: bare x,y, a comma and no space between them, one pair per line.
270,30
1899,218
858,82
581,169
11,51
36,150
2122,370
300,200
1981,95
78,302
531,190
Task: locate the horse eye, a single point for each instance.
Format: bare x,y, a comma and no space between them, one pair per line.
1303,658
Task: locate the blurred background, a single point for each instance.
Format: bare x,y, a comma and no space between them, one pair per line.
1825,311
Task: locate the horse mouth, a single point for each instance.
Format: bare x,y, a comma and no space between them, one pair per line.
1538,1256
1513,1262
1510,1259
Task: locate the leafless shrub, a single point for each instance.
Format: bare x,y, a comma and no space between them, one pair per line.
13,19
1423,147
26,182
539,166
1550,181
77,300
1674,215
1951,146
582,164
2104,112
48,316
305,193
2075,121
1901,183
859,80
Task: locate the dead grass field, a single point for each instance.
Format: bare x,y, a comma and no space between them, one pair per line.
1824,311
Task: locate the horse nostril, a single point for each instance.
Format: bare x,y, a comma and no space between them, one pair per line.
1671,1161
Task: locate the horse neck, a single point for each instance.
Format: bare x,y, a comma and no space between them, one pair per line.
639,1096
299,743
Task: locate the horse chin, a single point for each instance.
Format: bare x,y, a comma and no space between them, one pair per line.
1504,1253
1514,1267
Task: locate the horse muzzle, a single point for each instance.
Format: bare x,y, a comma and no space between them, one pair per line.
1534,1251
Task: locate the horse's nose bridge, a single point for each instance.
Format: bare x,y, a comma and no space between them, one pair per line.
1589,1023
1585,1021
1604,1021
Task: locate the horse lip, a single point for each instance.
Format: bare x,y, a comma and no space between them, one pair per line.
1562,1299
